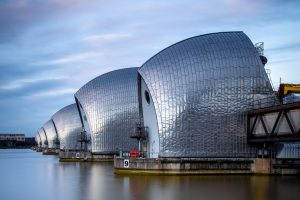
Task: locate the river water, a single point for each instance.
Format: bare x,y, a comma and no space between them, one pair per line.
26,174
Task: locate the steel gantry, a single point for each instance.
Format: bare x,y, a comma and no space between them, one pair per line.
274,124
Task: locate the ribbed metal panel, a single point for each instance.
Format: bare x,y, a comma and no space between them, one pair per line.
201,88
40,143
51,134
43,138
68,126
109,106
290,151
38,139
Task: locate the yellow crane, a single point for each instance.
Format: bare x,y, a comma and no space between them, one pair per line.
287,88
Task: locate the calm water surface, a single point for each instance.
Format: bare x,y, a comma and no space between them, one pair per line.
26,174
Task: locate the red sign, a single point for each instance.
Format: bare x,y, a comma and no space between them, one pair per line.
134,153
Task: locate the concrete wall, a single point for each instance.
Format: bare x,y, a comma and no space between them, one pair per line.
182,166
72,156
191,166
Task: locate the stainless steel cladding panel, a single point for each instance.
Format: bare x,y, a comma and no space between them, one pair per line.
109,105
37,139
201,88
51,134
40,139
291,150
68,126
43,138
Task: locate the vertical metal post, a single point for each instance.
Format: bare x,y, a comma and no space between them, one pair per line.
139,146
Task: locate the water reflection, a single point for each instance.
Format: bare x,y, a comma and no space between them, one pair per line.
29,175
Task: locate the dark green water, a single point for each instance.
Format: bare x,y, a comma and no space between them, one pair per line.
26,174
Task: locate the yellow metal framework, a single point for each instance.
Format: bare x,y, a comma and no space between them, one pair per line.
286,88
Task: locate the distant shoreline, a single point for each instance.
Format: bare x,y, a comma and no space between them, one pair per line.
25,147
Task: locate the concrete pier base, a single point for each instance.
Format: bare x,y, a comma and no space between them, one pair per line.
79,156
37,149
50,151
286,166
183,166
261,166
197,166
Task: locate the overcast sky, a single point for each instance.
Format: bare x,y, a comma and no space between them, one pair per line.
50,48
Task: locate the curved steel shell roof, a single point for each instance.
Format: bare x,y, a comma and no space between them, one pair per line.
43,138
38,139
201,88
51,134
110,107
68,126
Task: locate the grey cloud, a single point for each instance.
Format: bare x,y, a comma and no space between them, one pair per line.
31,88
83,39
291,47
16,17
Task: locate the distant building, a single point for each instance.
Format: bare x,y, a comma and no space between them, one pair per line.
29,141
19,137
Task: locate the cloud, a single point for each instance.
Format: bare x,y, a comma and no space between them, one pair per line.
53,93
18,16
112,37
70,58
242,7
20,83
284,47
48,49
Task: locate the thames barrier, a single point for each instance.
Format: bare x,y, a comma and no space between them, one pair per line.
204,105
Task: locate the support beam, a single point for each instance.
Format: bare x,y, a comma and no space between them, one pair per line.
260,136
